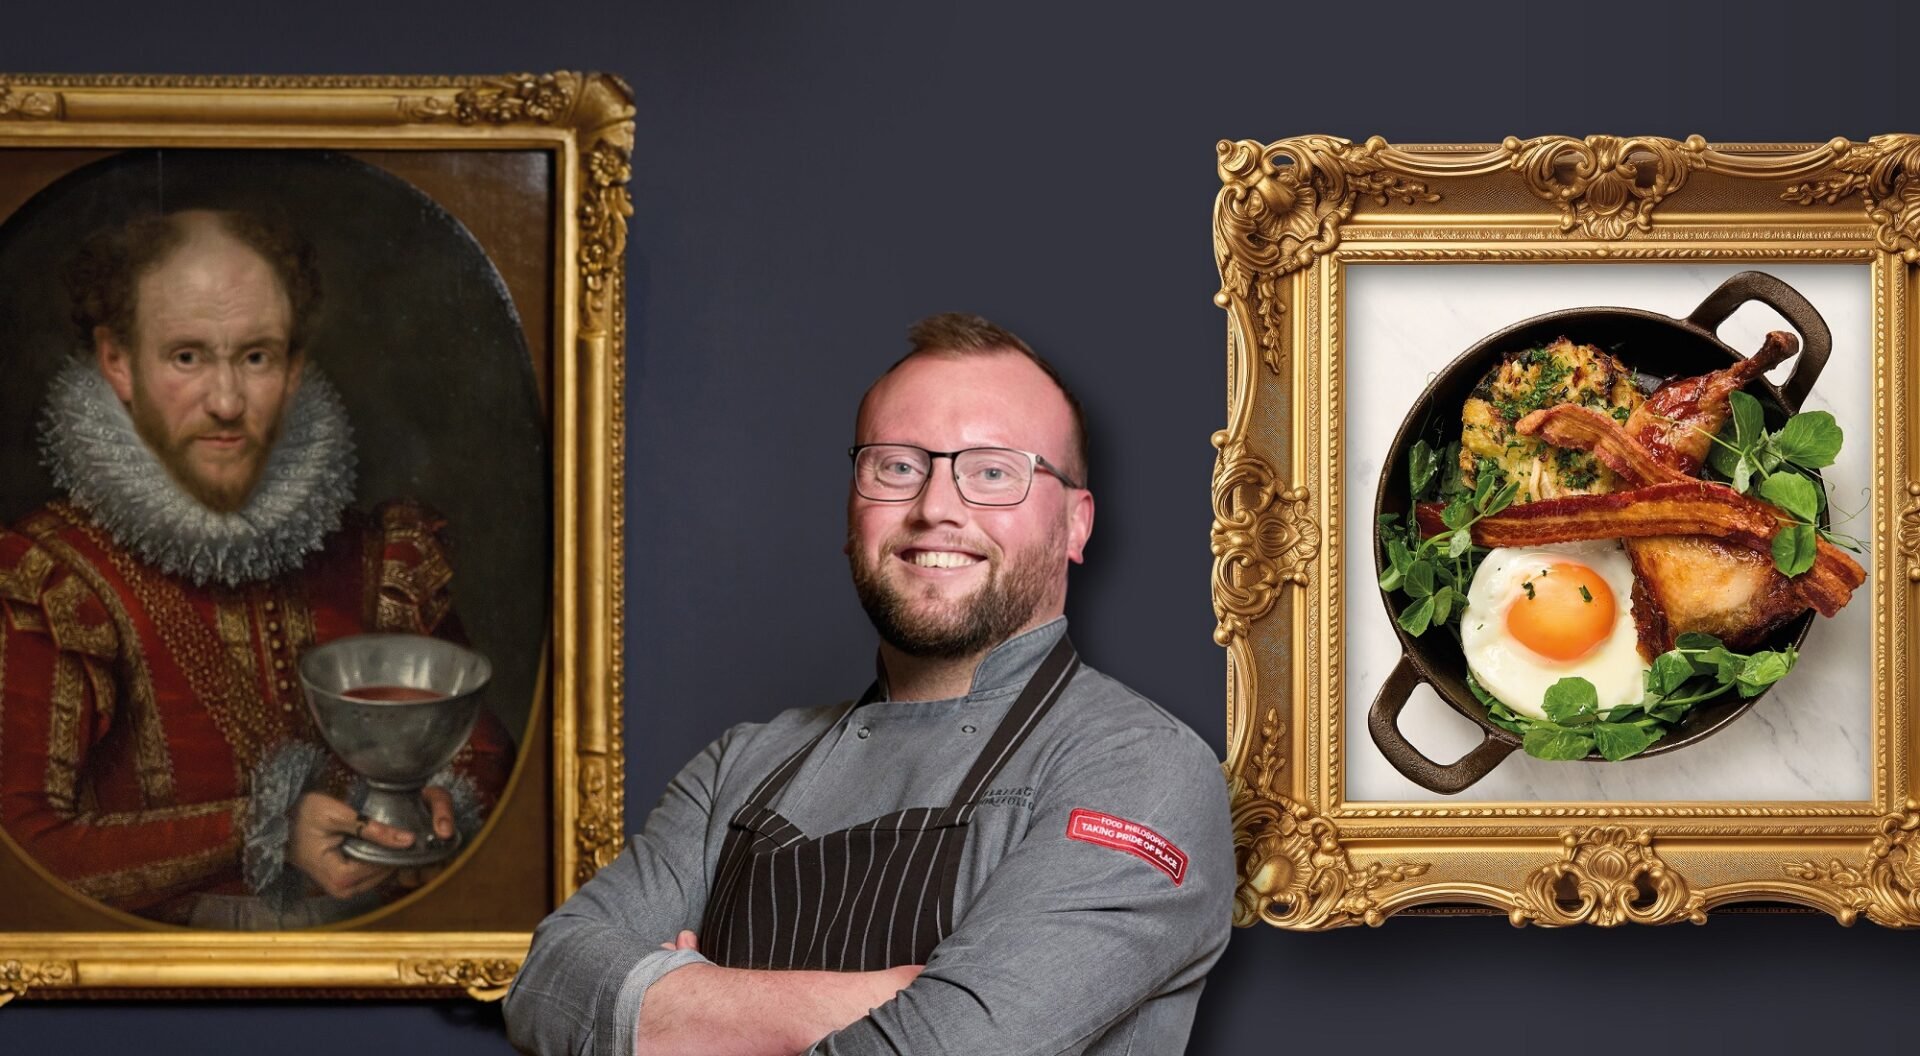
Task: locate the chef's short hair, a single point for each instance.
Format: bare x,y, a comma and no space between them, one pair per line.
962,334
103,278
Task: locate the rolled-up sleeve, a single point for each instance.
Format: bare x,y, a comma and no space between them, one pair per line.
1071,933
585,978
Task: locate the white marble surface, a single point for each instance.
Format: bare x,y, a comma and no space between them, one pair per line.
1808,739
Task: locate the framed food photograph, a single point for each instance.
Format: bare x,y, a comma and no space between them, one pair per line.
310,491
1567,529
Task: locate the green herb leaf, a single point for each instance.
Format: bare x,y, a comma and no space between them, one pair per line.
1620,740
1749,420
1626,712
1459,543
1483,485
1793,493
1669,712
1418,617
1722,663
1794,549
1507,722
1764,669
1457,514
1501,499
1422,463
1399,559
1725,453
1420,579
1398,555
1571,701
1670,671
1585,594
1749,427
1743,472
1497,713
1552,742
1810,439
1693,640
1450,484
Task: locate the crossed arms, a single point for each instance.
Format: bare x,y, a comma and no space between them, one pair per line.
1059,942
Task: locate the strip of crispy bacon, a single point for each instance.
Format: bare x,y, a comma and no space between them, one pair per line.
1677,507
1571,425
1687,507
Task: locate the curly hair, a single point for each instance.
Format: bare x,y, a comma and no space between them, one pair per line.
103,278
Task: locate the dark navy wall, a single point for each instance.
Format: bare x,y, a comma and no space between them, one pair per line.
809,178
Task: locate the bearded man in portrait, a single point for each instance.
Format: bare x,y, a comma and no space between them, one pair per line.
156,751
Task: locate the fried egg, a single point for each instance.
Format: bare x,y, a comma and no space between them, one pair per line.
1537,615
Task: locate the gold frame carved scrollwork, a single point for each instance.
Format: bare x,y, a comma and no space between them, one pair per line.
1290,217
583,123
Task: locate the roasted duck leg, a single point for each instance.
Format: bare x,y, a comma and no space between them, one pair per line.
1676,425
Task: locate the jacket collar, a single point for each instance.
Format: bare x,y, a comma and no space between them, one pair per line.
1005,669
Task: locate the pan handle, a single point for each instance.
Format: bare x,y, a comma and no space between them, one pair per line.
1383,722
1816,341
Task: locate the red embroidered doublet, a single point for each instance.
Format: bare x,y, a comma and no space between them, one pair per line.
135,707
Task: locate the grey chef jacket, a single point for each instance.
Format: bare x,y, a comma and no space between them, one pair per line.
1062,945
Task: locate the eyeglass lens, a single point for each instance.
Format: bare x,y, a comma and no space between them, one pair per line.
989,476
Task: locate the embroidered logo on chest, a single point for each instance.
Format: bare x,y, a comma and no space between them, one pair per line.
1009,797
1132,837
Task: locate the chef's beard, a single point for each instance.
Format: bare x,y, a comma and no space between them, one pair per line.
936,630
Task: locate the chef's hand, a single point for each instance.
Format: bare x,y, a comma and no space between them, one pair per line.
686,940
321,823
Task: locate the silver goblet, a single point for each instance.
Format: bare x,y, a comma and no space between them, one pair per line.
395,708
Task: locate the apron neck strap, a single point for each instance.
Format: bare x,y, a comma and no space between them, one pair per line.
1042,689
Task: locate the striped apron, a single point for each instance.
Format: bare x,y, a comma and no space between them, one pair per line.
877,895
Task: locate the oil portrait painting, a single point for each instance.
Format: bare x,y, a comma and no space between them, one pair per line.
194,501
306,571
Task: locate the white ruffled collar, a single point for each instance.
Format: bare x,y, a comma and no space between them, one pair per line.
89,443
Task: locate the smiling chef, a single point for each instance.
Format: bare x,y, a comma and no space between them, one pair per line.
995,849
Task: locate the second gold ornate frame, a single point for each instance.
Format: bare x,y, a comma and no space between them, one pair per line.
563,266
1292,221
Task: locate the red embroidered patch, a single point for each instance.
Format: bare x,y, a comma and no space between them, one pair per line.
1132,837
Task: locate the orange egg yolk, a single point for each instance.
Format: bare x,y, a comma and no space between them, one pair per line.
1562,611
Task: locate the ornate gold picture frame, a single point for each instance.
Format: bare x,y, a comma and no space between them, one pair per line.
526,175
1340,261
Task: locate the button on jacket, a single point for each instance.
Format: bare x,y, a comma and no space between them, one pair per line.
1094,888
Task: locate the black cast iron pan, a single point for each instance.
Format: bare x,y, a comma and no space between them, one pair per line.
1648,343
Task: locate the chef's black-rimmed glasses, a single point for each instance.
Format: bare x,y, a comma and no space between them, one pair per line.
985,476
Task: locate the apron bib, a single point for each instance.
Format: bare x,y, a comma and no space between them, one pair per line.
876,895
